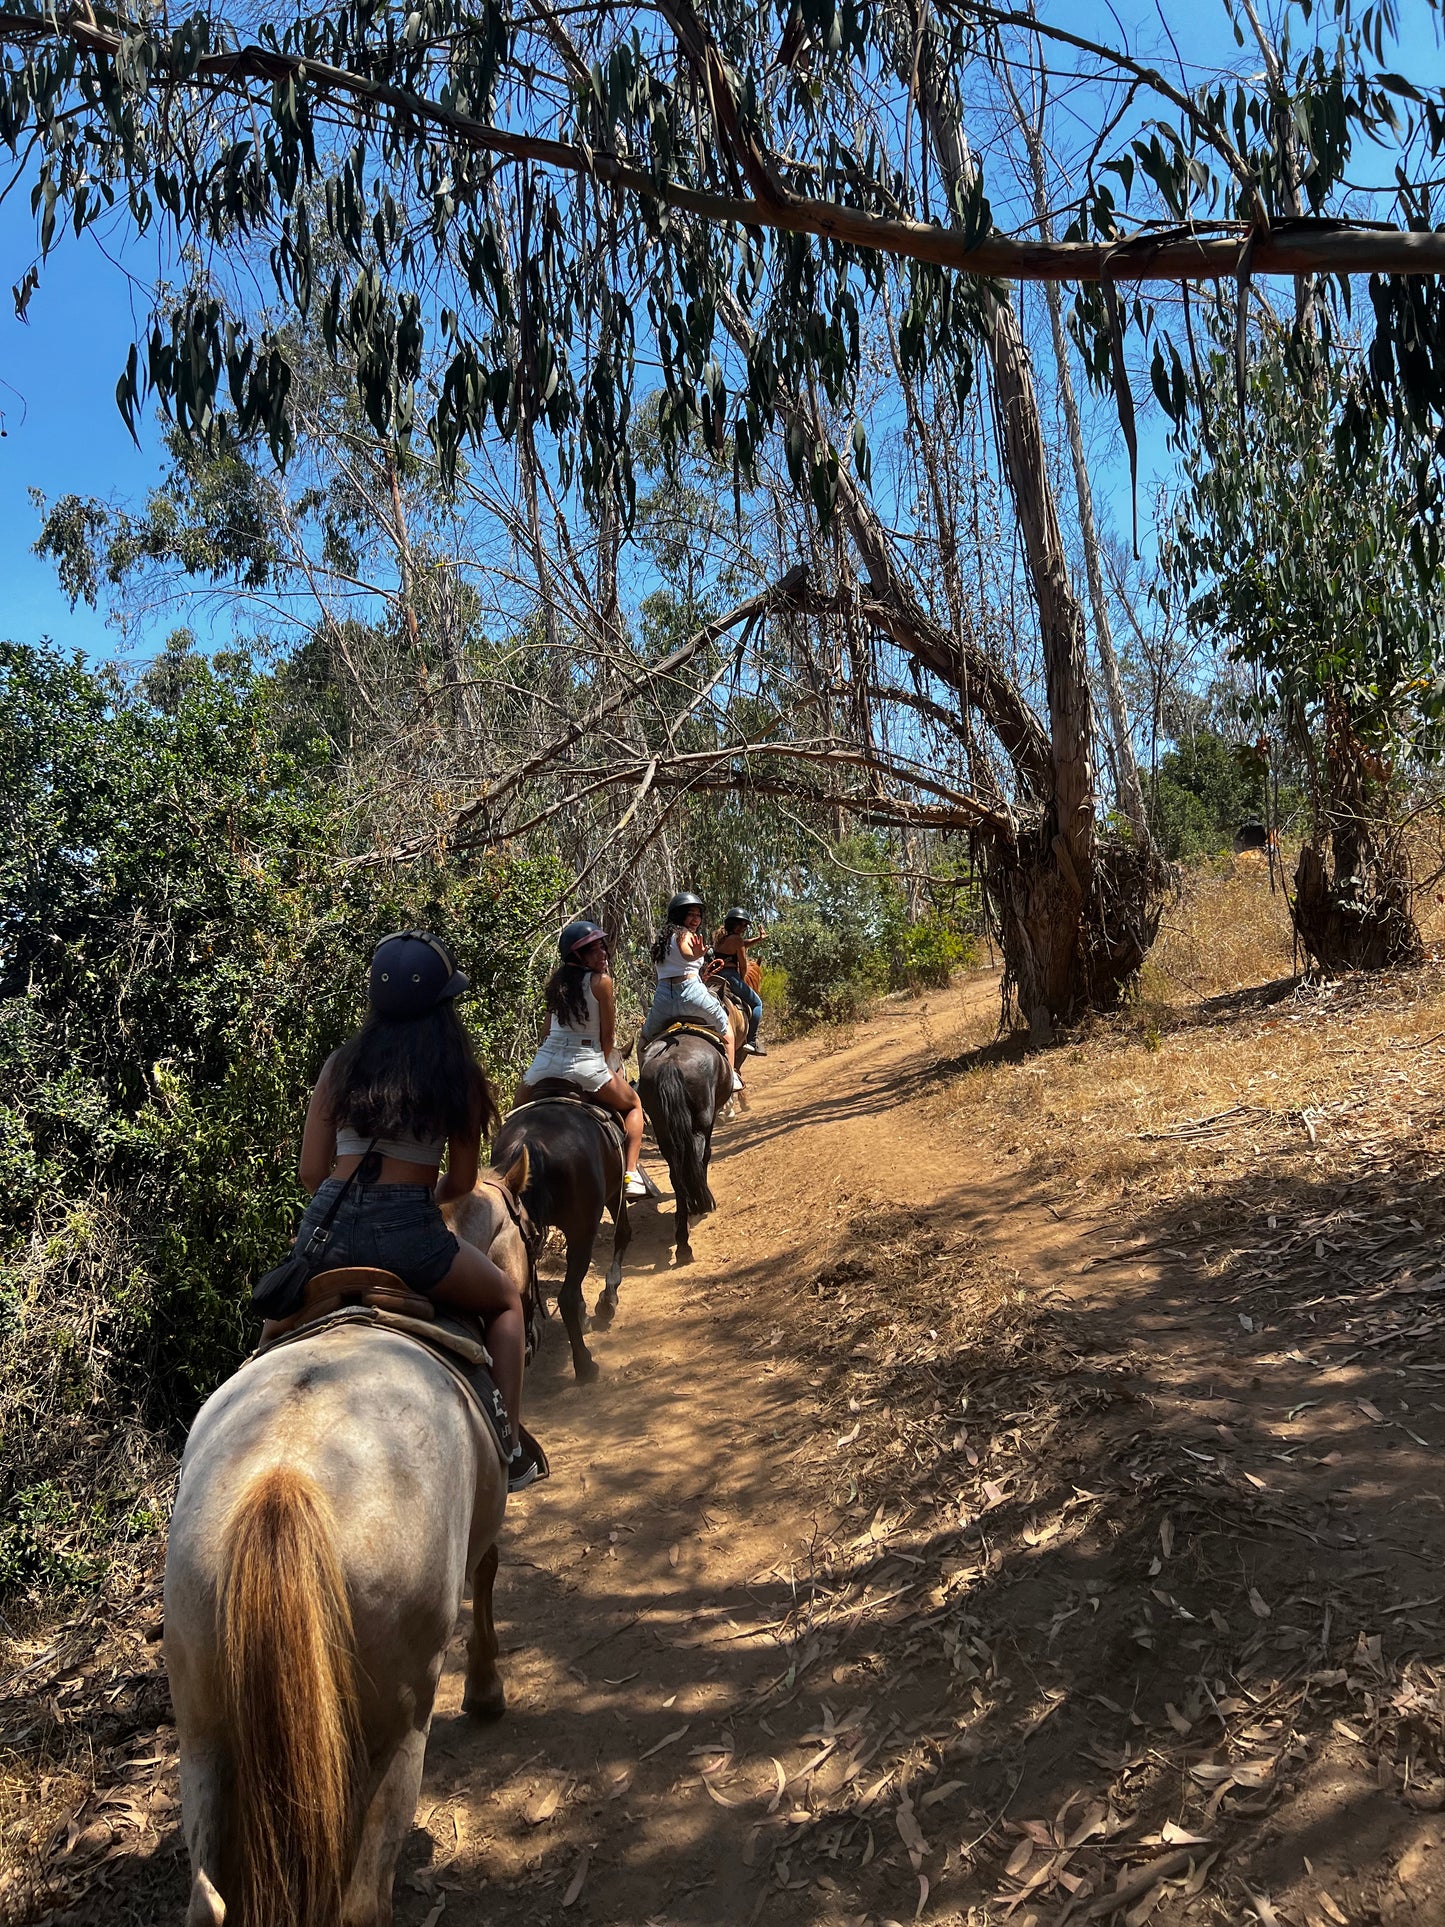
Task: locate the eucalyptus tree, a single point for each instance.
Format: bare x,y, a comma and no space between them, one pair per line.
1307,548
499,213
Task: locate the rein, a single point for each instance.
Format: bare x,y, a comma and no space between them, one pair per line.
532,1240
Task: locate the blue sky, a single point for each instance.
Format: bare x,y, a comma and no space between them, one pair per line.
63,431
58,371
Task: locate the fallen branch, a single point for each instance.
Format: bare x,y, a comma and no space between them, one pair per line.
778,594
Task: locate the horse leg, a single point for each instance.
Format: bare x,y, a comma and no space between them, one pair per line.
383,1832
683,1253
204,1788
569,1302
485,1697
606,1307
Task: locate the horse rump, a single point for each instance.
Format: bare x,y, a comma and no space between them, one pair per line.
680,1137
288,1667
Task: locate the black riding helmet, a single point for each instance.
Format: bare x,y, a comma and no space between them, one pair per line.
679,905
577,936
411,973
736,918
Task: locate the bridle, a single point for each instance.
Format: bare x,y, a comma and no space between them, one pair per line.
534,1301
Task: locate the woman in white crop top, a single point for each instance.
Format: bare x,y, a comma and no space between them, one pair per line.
408,1088
679,952
580,1046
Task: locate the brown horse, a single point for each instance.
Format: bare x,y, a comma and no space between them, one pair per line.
574,1175
336,1496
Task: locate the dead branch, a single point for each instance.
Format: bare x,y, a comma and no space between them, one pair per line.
778,594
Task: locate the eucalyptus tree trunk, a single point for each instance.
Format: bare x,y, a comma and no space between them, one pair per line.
1074,929
1352,902
1126,768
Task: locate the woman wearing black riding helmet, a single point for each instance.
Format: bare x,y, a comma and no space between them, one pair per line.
408,1087
681,996
581,1042
731,945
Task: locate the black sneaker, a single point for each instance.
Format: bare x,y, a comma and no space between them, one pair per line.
529,1463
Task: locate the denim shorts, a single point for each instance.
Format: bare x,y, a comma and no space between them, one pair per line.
396,1227
684,1000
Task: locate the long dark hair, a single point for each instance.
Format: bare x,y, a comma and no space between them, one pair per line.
566,993
412,1074
663,938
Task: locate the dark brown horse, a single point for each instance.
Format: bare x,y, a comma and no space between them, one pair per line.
574,1174
684,1083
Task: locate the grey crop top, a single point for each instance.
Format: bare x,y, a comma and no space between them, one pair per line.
353,1144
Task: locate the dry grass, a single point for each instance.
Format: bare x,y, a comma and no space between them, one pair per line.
1221,1064
1225,930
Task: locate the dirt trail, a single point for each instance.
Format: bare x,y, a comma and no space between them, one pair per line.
940,1546
641,1584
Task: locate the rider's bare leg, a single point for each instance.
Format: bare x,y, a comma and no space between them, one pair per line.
475,1284
618,1095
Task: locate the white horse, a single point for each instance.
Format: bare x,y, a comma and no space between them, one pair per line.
336,1496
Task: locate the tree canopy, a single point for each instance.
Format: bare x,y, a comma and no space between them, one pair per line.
498,213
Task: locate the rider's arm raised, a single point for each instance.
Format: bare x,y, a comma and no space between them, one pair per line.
318,1140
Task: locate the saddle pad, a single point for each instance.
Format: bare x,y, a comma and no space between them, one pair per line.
447,1340
680,1029
600,1114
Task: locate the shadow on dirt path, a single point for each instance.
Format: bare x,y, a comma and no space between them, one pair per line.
932,1547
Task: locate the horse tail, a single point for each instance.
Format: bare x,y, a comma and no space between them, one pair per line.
681,1142
289,1687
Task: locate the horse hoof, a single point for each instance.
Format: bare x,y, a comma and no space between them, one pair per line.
490,1704
586,1369
683,1255
604,1311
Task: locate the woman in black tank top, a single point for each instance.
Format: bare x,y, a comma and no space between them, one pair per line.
410,1075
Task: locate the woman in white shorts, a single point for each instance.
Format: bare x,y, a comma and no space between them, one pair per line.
580,1046
681,996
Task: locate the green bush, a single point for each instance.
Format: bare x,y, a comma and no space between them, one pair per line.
180,948
851,938
774,992
927,953
830,965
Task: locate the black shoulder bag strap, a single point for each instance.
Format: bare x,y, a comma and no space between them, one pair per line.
278,1292
321,1236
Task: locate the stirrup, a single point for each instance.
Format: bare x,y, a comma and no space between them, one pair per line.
528,1463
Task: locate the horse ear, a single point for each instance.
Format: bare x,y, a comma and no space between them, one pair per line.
515,1175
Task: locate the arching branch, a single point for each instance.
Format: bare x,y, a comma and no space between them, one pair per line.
1178,254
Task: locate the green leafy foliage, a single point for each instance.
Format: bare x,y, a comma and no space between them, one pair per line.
1203,790
494,219
180,948
1313,562
851,938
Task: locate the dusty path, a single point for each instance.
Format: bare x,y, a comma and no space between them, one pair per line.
939,1546
1150,1573
639,1585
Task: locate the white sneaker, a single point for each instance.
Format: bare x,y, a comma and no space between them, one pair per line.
737,1082
632,1185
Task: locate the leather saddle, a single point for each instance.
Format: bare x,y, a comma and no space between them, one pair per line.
351,1294
328,1291
682,1028
553,1090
